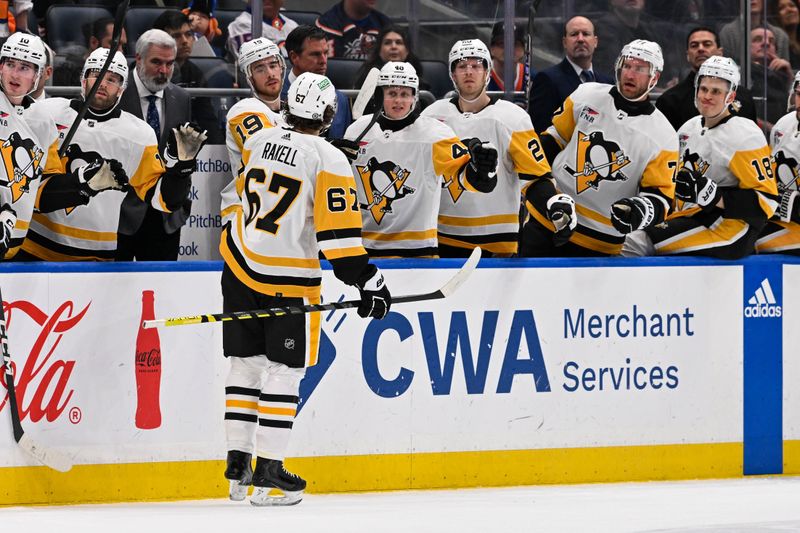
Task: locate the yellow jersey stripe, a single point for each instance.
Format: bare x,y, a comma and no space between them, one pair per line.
78,233
450,220
400,236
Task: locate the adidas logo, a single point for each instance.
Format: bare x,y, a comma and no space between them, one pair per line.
286,137
763,303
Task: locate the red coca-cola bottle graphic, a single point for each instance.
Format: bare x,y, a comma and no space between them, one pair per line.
148,369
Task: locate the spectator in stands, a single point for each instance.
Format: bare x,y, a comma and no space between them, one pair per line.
693,12
626,21
353,27
778,72
275,27
146,234
68,64
186,74
551,86
205,25
308,52
677,102
786,15
497,49
47,73
730,35
394,46
13,16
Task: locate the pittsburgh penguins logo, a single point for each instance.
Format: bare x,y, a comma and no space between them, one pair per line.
74,158
597,160
22,160
384,183
786,171
693,161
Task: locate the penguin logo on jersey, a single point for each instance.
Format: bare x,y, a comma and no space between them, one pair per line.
21,164
384,183
74,158
787,172
453,185
691,161
597,160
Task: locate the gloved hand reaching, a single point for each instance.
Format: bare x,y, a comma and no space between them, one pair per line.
481,171
630,214
692,186
347,147
375,297
101,175
561,212
8,218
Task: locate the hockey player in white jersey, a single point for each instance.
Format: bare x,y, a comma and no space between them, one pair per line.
81,224
404,161
724,187
297,198
264,68
27,142
781,234
615,154
491,220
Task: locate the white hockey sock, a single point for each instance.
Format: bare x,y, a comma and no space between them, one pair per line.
277,408
242,389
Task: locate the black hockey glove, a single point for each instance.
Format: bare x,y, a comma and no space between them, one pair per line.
481,171
630,214
347,147
692,186
8,218
183,145
375,297
101,175
789,209
561,212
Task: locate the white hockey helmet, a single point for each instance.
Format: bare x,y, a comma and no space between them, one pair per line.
647,51
790,104
719,67
466,49
26,47
398,74
98,57
310,95
258,49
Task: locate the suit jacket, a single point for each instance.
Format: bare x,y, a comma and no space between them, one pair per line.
677,102
550,88
177,110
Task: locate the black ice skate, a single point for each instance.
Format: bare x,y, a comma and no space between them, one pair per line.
270,474
240,474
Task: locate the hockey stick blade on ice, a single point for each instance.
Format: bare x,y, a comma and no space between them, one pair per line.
443,292
119,20
46,456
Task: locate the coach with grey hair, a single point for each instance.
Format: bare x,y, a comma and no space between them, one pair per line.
146,234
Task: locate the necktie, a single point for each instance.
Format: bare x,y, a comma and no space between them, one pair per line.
587,75
152,115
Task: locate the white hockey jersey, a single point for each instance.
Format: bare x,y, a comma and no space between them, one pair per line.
26,151
608,153
490,220
785,142
734,154
400,175
297,197
240,31
89,232
244,119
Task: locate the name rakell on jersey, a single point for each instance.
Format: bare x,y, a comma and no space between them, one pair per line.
281,153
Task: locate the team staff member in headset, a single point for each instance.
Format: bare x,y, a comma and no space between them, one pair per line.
403,162
297,198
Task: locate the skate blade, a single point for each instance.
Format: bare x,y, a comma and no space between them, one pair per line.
269,497
238,491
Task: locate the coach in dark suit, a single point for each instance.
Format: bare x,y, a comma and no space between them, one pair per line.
146,234
551,86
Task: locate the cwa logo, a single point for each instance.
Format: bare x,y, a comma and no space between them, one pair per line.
763,303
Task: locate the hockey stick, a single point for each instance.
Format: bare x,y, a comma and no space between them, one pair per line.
46,456
446,290
529,42
364,96
119,20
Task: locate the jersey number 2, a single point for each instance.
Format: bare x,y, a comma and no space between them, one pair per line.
291,187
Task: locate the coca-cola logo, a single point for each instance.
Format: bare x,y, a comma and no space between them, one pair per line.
148,360
42,386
